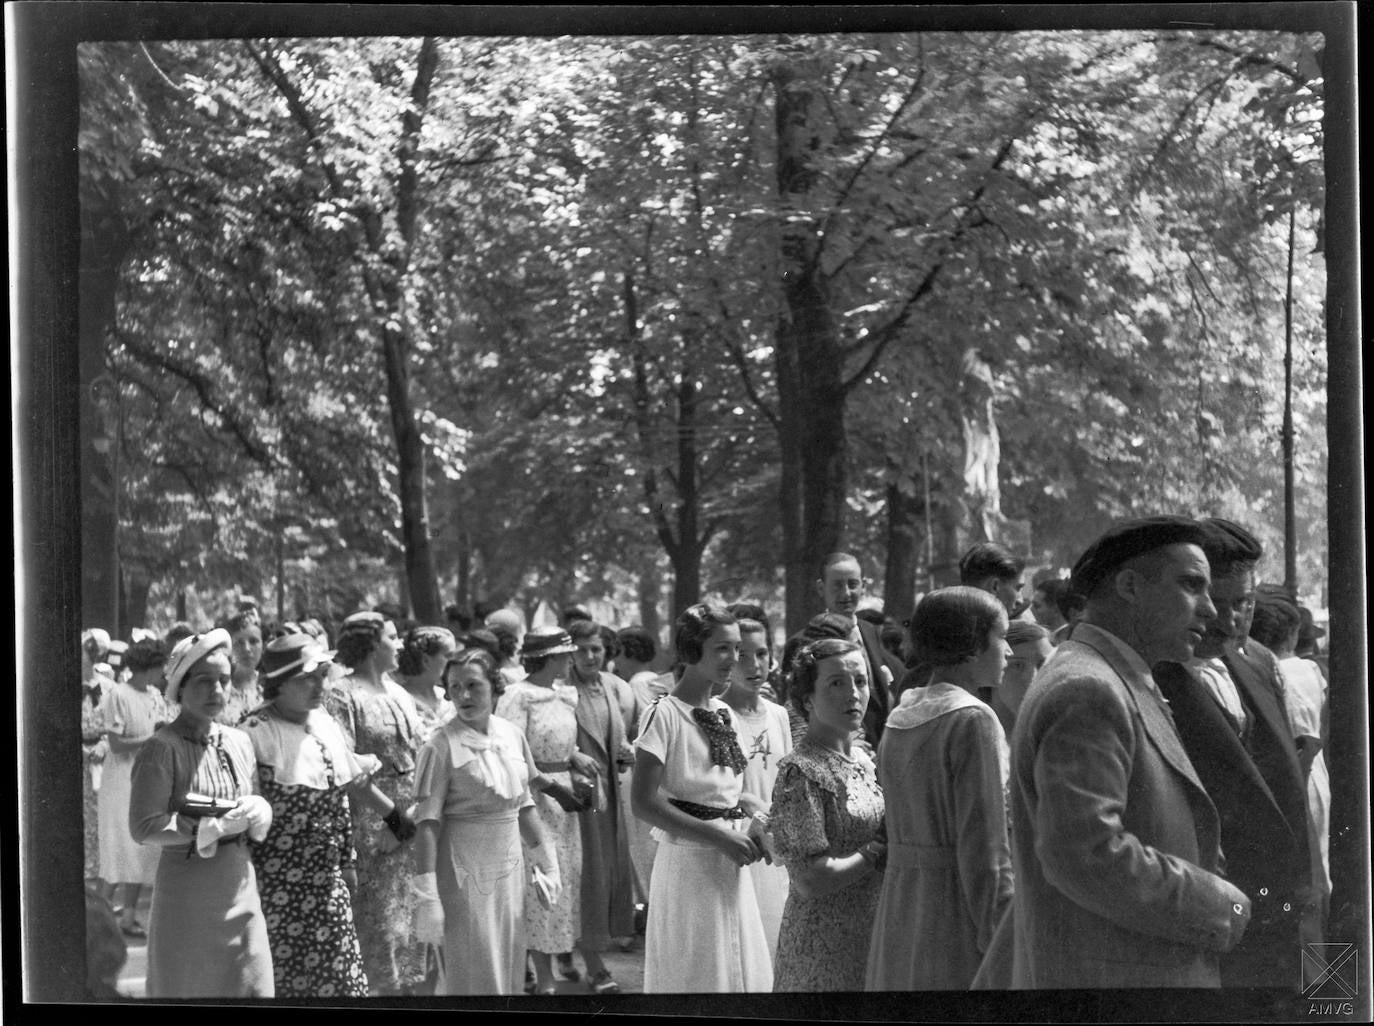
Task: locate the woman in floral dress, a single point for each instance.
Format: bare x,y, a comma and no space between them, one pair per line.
826,814
542,705
307,770
379,719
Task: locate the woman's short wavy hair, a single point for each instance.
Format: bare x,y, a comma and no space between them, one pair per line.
694,626
805,669
485,662
952,624
358,638
421,642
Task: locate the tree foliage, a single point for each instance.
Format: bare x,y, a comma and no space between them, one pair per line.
546,318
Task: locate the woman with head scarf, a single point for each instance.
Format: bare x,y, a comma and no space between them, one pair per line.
475,808
130,712
193,796
379,720
309,773
943,764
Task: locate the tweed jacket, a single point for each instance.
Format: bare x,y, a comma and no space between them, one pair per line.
1115,844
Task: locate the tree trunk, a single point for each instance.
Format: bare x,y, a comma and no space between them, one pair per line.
809,362
104,242
903,548
650,591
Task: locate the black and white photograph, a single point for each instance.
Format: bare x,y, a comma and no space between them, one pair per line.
838,513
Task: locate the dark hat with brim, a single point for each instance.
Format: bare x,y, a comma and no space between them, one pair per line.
293,654
547,641
1127,539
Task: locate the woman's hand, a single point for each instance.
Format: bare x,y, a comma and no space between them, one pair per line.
428,918
738,848
583,764
399,824
564,796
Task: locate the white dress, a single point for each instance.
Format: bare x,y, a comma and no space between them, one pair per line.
128,713
704,933
1305,697
765,736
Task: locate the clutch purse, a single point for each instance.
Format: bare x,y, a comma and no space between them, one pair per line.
203,805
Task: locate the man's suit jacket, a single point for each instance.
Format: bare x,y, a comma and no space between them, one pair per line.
879,692
1258,789
1115,843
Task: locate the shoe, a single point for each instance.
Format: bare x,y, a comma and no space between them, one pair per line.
603,984
566,969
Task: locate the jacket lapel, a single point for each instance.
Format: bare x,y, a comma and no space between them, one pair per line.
1154,713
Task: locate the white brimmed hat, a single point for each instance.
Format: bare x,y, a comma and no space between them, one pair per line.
187,653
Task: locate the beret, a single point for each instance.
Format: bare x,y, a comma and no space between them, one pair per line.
1228,542
1130,538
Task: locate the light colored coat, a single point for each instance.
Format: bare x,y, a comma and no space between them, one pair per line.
1115,844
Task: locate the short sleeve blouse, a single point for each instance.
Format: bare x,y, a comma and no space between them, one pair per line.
670,735
461,772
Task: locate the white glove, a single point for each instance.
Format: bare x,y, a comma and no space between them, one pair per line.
211,829
548,885
428,919
256,812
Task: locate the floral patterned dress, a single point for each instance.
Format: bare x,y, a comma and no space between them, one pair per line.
825,802
384,724
550,726
302,769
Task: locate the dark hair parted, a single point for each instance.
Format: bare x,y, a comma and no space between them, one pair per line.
482,659
637,643
1276,618
952,624
358,638
242,620
506,641
1021,632
805,669
988,559
584,630
694,626
421,642
145,654
751,611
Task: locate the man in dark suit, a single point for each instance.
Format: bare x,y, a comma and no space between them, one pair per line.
842,586
1228,705
1115,844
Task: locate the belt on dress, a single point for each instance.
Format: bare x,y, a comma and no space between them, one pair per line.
706,811
552,767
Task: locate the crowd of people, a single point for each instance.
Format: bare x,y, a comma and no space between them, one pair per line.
1115,782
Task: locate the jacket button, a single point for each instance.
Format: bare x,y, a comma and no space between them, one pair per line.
1264,892
1287,906
1238,908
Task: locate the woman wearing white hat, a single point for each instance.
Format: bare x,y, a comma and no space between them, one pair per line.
193,795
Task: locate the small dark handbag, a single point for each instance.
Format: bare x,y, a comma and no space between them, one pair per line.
203,805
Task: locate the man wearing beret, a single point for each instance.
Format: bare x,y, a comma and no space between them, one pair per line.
1229,709
1115,843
